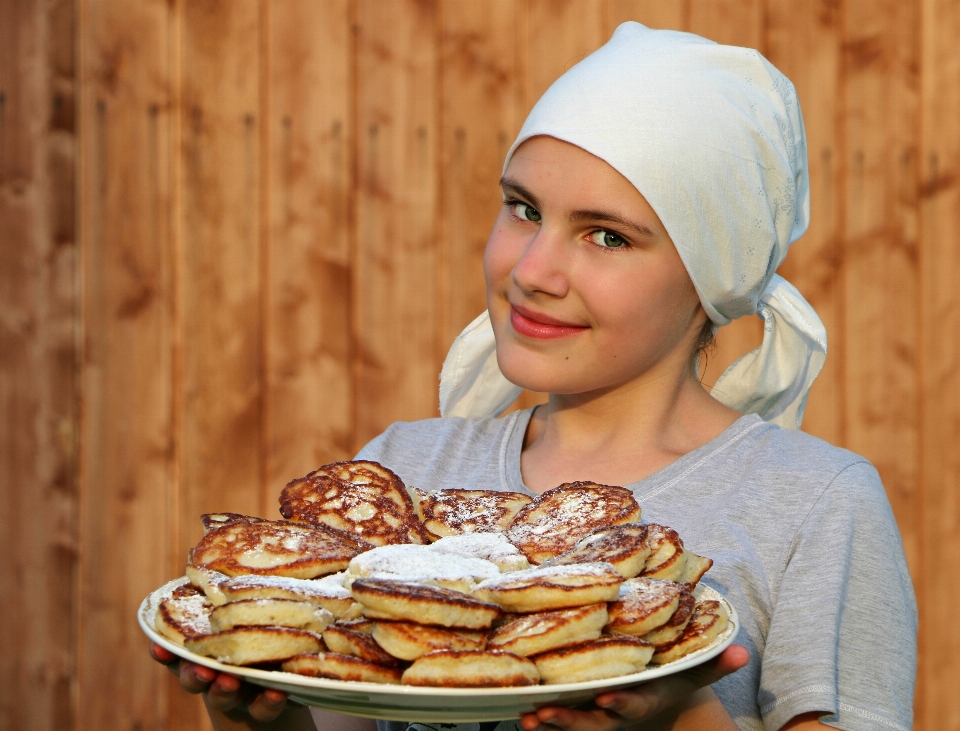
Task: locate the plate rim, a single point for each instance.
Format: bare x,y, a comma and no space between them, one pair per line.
147,612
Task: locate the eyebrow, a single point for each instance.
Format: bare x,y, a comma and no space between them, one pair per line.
511,185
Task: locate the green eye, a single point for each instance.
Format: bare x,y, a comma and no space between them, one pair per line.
607,239
528,213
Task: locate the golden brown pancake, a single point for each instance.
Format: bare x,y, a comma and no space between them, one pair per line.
218,520
357,644
408,640
608,657
208,581
643,605
555,587
270,613
530,634
709,620
327,592
335,666
674,627
666,559
253,645
276,548
361,499
555,521
398,601
183,615
622,546
694,567
471,669
456,512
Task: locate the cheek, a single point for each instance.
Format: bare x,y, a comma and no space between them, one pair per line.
500,257
637,307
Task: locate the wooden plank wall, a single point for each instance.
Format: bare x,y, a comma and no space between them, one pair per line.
245,247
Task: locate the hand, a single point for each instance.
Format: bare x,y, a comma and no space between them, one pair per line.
223,692
621,708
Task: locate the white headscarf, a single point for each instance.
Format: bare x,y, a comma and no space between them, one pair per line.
712,137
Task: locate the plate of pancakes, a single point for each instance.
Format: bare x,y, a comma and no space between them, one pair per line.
373,599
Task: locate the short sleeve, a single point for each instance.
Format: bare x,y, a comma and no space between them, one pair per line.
842,637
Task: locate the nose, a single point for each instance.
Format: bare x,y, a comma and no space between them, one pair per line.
543,266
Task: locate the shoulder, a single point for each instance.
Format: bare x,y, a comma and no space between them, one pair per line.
794,453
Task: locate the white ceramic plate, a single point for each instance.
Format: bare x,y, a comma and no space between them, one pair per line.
442,705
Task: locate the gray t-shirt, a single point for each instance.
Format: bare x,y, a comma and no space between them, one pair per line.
804,545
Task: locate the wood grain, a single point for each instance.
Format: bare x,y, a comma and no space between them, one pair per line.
938,489
667,14
222,390
128,525
396,295
309,374
880,260
39,309
558,34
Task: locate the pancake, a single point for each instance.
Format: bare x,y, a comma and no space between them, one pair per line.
459,512
557,519
408,641
208,581
709,620
530,634
270,613
218,520
361,499
471,669
493,547
622,546
335,666
254,645
694,567
674,627
643,605
422,564
398,601
356,644
666,559
608,657
554,587
327,592
277,548
183,615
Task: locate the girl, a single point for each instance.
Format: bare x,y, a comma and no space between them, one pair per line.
649,198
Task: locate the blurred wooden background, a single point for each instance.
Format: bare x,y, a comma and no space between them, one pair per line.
237,237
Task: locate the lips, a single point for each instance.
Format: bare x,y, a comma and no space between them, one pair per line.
539,326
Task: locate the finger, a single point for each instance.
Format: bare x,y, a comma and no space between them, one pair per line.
268,705
224,692
570,719
195,678
161,654
649,699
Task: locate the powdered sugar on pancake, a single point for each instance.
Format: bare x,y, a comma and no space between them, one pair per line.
598,572
489,546
411,562
329,587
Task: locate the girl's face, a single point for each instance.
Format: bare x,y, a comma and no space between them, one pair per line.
585,289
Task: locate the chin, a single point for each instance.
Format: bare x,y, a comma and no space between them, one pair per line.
539,374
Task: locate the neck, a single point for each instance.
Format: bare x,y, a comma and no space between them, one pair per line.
620,435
